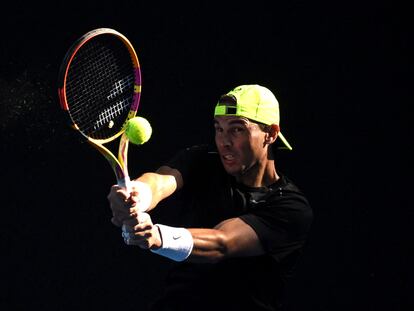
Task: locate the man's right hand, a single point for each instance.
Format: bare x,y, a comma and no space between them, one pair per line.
120,204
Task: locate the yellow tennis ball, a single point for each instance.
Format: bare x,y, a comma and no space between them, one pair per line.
138,130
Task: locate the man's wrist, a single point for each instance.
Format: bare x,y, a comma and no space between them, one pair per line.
157,245
177,243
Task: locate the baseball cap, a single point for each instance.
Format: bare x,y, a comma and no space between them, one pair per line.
254,102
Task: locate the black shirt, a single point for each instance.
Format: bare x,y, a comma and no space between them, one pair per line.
280,215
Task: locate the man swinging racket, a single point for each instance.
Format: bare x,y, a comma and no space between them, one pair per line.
246,224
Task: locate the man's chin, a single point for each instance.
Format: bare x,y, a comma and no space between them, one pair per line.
231,169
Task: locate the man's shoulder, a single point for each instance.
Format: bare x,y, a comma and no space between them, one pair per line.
202,149
288,185
195,158
203,152
286,191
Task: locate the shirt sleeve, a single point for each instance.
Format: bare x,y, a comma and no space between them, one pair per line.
187,161
282,225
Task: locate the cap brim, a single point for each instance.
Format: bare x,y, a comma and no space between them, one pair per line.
283,142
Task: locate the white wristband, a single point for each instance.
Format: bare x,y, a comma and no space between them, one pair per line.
144,195
177,243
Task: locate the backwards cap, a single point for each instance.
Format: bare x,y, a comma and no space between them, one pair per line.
253,102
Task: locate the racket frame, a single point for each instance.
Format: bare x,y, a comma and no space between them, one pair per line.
118,164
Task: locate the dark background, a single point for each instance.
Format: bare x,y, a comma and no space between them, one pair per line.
340,72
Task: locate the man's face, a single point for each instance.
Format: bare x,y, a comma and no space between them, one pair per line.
240,143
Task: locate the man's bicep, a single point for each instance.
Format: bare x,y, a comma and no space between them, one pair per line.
241,239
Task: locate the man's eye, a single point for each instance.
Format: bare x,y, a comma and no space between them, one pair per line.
237,129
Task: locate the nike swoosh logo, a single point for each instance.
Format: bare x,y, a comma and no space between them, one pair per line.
176,237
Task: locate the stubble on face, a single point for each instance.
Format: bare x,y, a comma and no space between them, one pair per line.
240,145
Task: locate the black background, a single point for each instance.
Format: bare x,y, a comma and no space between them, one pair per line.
340,72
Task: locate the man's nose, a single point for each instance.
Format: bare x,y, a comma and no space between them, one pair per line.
225,140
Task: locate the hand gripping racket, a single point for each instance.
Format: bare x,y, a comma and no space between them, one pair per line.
99,85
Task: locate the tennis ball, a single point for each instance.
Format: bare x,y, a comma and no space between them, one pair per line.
138,130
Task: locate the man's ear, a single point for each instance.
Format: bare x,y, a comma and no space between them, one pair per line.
272,134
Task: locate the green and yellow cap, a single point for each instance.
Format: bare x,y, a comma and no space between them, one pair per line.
253,102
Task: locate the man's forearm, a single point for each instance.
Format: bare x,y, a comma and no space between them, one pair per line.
162,186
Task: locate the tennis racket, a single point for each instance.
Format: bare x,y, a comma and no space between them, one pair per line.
99,85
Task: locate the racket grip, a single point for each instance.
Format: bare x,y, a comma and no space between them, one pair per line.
125,183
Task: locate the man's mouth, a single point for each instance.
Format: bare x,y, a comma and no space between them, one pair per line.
228,157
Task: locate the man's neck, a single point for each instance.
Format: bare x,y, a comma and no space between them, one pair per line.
259,175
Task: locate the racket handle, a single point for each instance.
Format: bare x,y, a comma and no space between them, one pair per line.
125,183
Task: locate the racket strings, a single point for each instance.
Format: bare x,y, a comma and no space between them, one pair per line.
100,87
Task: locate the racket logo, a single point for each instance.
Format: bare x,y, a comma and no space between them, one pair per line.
120,86
108,115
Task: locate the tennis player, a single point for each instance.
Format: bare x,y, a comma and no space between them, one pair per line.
242,224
